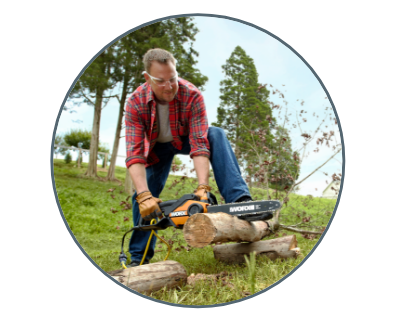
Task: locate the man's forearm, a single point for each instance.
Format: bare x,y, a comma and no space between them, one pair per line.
138,175
202,167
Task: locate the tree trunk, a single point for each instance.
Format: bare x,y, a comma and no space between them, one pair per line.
285,247
79,161
105,160
117,137
203,229
94,142
152,277
129,188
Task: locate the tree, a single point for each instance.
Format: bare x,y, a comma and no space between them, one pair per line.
67,158
177,161
182,34
76,136
172,35
59,140
92,87
284,171
244,112
177,164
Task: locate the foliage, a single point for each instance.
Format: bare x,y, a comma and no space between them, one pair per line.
182,32
75,136
175,35
67,158
288,161
177,164
275,166
244,111
96,79
59,140
251,266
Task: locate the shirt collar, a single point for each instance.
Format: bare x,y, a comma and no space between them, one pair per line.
178,95
149,93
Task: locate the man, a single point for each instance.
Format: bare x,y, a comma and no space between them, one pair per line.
166,116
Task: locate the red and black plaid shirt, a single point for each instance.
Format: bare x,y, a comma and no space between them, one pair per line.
187,116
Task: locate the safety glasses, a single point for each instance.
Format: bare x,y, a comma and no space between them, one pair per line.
162,82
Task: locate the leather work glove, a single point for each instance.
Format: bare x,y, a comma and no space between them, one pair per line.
202,190
148,206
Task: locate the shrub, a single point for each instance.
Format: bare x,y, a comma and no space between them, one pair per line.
68,158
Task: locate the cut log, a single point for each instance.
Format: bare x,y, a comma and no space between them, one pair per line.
285,247
203,229
152,277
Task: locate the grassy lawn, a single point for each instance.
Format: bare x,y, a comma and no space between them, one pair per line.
87,207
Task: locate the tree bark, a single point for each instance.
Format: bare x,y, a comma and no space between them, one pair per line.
79,161
117,137
285,247
203,229
105,160
152,277
94,142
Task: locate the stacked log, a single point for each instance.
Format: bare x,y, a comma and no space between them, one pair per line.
285,247
203,229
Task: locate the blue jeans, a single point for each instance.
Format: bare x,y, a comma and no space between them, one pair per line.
226,171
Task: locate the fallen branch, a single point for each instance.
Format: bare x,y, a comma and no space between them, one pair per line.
299,230
152,277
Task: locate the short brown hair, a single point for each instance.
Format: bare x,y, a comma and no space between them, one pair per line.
160,55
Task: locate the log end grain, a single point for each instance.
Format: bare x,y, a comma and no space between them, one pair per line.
199,231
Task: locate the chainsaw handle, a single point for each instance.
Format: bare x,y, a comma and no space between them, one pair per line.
163,206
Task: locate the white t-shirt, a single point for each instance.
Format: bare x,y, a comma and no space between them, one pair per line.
164,129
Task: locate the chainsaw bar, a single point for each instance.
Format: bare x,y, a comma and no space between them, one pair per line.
251,210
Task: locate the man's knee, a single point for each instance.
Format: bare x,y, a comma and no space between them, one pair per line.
215,133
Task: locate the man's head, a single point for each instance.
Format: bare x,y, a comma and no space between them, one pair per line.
160,74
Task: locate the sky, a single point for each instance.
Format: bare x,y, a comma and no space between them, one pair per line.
276,64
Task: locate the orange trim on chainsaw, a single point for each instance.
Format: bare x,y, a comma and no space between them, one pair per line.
181,220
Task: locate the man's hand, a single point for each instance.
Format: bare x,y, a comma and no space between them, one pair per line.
202,190
148,206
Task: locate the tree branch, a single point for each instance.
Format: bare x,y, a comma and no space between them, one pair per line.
299,230
296,184
87,98
108,97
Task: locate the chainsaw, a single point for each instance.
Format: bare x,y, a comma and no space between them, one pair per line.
176,212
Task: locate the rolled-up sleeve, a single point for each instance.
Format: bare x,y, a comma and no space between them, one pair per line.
198,128
134,135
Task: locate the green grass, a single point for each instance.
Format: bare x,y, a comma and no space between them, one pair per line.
86,205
